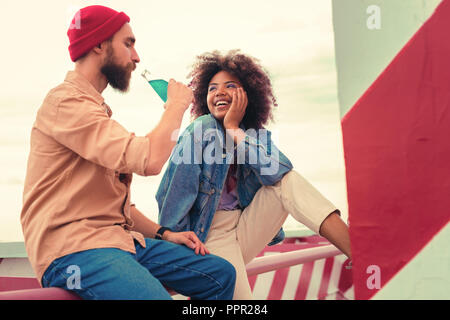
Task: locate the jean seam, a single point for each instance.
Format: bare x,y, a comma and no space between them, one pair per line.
193,271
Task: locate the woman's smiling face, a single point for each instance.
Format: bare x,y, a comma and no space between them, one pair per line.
220,93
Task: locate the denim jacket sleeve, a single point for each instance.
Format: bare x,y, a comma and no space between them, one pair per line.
262,157
178,189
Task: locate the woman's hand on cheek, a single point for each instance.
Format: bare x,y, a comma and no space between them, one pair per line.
237,109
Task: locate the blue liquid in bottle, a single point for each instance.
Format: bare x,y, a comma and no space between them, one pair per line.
160,86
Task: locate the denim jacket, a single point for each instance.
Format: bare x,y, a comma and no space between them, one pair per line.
190,190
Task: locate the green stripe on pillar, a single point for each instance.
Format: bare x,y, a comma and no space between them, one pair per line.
368,34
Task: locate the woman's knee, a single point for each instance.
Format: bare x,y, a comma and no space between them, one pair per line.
291,176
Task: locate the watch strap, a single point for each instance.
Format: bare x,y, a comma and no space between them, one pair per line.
160,232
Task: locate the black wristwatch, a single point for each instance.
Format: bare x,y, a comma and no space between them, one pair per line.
160,232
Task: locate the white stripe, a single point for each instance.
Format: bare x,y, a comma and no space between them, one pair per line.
316,279
333,286
292,282
350,293
262,285
263,282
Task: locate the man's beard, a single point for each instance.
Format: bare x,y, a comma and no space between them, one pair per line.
118,77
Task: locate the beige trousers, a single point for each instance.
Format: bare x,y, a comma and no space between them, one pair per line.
239,236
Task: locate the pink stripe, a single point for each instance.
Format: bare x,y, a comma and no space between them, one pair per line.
252,281
39,294
304,281
278,284
17,283
323,290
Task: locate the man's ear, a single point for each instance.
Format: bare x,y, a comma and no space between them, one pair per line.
99,48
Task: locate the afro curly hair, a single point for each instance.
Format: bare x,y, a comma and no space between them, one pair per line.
252,75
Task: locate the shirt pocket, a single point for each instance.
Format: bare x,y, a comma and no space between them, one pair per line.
110,172
109,175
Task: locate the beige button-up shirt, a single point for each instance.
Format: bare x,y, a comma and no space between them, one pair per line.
77,188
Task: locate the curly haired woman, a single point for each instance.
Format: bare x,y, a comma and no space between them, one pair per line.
234,188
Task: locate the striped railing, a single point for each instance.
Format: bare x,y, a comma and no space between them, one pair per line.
256,266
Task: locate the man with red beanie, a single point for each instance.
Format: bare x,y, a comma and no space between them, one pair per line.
81,230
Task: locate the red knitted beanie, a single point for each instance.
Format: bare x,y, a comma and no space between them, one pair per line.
91,26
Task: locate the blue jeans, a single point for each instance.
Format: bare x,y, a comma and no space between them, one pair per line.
110,273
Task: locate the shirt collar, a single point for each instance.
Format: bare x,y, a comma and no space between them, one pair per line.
80,82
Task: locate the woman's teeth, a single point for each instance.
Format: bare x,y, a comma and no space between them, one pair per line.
221,103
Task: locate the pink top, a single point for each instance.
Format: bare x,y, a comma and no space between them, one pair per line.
229,198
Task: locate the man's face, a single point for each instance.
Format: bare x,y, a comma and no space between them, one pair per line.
121,59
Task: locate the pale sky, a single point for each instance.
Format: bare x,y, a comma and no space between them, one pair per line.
169,34
292,39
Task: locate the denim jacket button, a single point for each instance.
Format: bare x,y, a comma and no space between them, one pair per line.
202,230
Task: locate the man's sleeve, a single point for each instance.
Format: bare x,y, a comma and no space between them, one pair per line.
83,126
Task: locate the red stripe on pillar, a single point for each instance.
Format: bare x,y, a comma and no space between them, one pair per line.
278,284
